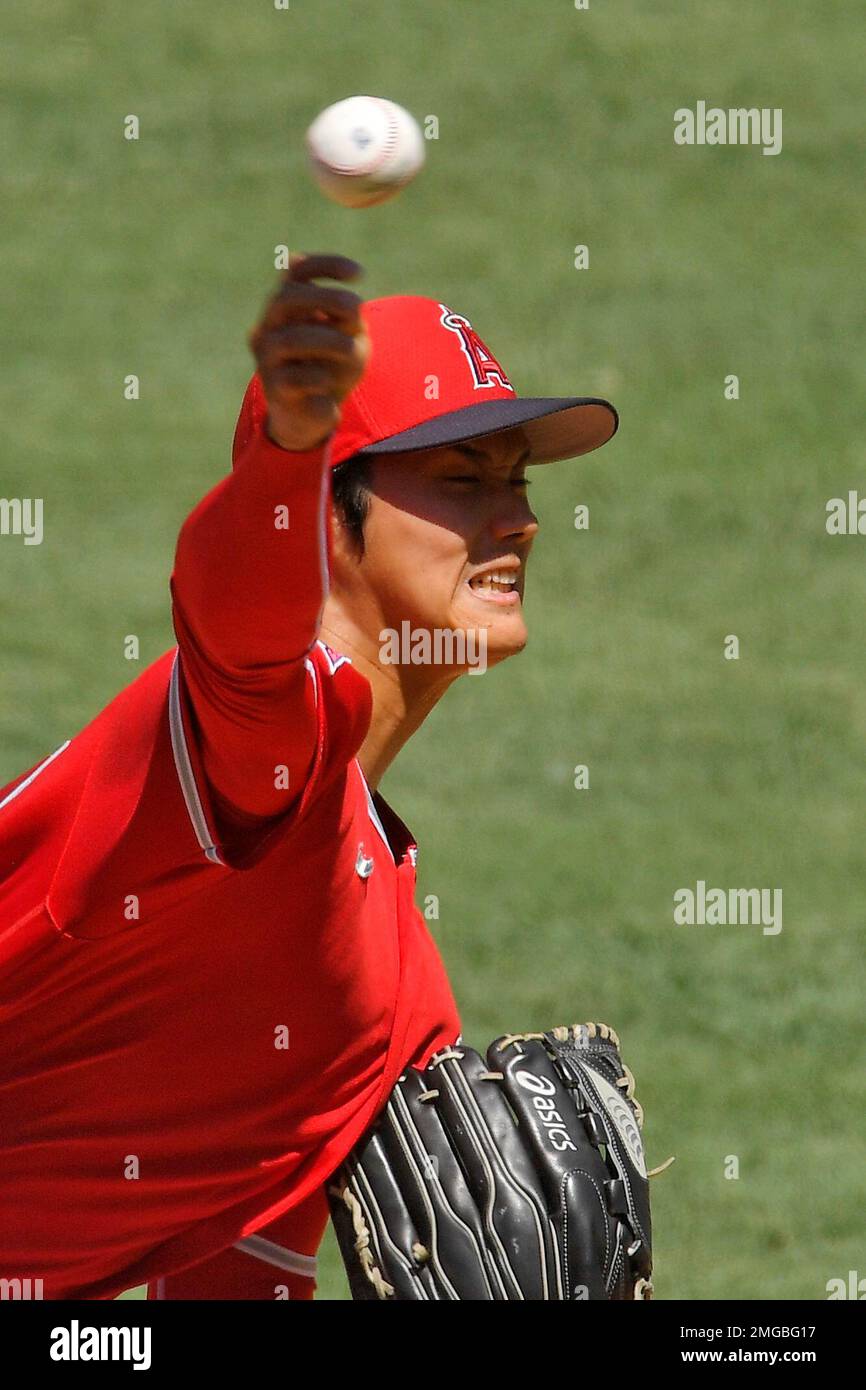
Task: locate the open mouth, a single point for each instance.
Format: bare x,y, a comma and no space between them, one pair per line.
496,586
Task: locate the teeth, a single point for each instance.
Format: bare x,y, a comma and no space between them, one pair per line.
486,581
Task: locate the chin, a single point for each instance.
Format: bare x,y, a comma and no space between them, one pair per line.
474,642
501,650
505,637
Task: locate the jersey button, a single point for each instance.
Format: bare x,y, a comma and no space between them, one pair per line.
363,864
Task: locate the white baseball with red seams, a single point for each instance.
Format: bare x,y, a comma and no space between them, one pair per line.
364,150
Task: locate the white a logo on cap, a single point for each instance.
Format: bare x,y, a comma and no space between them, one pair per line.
484,367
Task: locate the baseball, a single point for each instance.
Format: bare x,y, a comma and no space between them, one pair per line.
364,150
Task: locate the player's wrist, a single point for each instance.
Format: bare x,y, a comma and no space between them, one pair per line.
296,441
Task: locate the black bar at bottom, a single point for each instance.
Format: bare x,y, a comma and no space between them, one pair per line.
260,1340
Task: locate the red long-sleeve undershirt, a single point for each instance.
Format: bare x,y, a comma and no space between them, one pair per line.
249,584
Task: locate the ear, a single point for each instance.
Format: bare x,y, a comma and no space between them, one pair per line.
344,551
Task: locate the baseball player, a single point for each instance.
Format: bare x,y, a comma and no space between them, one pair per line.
212,970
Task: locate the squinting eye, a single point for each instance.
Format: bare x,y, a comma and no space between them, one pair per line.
462,478
521,482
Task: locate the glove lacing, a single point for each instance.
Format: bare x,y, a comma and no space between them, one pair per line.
362,1243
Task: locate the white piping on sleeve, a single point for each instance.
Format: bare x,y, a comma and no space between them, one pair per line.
35,773
290,1260
324,498
183,764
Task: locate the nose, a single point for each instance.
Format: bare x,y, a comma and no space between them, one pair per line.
515,519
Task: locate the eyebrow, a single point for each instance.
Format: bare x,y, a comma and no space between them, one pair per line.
474,452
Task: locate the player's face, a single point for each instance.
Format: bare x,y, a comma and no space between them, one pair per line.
447,539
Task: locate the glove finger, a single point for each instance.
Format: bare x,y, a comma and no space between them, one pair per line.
595,1063
440,1202
565,1154
374,1228
499,1173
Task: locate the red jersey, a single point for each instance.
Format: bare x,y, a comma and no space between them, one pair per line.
212,969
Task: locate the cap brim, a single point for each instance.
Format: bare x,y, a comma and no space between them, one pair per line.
555,427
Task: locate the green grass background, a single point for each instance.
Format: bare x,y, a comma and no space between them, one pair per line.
707,516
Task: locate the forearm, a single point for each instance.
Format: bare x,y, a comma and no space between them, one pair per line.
249,582
250,573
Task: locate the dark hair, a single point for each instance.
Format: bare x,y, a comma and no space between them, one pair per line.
350,489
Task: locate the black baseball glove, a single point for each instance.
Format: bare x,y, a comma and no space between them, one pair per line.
522,1177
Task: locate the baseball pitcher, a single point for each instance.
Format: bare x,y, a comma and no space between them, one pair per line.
221,1013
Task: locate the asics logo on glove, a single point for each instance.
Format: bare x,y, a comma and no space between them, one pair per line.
550,1118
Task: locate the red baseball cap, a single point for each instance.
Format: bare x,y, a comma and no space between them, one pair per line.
431,381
